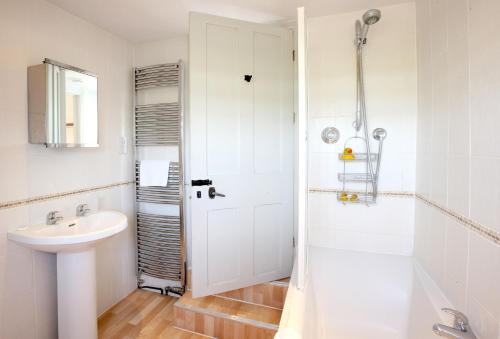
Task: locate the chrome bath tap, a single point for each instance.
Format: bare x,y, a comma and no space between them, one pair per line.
460,329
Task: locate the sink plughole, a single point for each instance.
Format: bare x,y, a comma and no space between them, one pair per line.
74,243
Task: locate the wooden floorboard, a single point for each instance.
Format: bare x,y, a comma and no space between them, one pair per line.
144,315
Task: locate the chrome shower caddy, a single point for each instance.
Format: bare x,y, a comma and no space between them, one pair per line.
360,186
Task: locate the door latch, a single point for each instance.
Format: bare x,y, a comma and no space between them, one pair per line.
204,182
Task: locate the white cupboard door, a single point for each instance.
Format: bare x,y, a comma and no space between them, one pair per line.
241,138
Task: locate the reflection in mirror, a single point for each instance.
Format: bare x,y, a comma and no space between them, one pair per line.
74,109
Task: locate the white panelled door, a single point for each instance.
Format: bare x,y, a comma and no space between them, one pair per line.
241,133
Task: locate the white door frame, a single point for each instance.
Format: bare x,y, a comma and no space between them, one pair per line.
301,151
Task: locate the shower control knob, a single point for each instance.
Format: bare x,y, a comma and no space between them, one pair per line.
212,193
379,134
330,135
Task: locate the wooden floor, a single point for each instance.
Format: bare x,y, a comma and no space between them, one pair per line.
144,315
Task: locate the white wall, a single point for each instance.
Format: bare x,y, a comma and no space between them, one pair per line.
161,51
32,30
458,153
390,78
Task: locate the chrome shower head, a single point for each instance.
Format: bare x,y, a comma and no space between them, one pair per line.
372,16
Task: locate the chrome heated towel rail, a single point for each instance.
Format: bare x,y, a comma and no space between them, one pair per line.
160,236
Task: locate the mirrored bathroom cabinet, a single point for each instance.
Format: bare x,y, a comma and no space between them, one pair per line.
62,105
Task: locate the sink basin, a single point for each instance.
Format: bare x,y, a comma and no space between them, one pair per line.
74,242
73,235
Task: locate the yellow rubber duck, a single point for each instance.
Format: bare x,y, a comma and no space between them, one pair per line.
347,154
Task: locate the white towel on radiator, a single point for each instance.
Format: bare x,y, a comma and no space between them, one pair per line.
154,172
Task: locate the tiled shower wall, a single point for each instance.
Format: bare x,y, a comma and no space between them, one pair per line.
391,93
458,154
31,30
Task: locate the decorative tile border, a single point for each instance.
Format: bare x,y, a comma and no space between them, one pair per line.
482,230
401,194
472,225
28,201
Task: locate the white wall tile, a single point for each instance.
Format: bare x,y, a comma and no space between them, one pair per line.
18,299
484,77
438,176
318,207
484,274
387,244
485,191
458,176
458,77
424,123
361,228
346,240
455,263
408,172
436,246
323,169
422,224
483,323
12,257
324,237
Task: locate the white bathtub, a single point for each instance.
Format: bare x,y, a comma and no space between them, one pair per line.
356,295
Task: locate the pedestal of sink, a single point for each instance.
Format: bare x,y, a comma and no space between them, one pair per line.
74,242
76,295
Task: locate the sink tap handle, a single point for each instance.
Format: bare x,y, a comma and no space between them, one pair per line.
461,321
53,217
82,210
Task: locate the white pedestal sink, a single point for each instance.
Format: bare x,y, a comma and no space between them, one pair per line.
74,242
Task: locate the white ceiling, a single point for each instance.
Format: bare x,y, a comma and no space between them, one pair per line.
149,20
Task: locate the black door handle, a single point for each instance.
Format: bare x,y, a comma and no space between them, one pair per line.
212,193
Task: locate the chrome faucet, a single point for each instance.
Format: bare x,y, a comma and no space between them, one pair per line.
460,329
82,210
53,218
